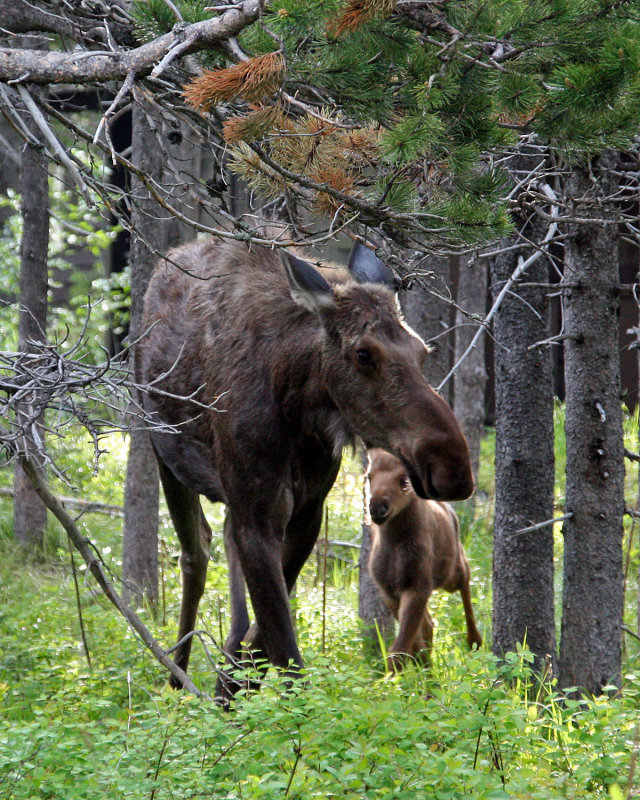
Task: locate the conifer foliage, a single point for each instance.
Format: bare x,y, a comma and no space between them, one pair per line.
396,115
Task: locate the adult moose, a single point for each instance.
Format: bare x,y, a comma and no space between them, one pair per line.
295,362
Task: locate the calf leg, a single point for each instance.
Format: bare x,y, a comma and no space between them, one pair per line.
411,614
461,584
424,641
473,635
194,535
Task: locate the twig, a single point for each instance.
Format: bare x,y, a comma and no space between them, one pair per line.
519,270
79,603
297,749
87,506
122,92
628,630
94,565
41,122
544,524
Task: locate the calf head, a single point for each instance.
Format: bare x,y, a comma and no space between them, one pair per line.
390,489
371,368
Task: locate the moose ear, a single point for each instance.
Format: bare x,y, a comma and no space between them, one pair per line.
366,267
308,287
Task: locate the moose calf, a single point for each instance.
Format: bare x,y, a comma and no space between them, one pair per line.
416,548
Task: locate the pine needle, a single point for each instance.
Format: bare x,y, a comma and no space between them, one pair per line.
359,12
254,125
252,80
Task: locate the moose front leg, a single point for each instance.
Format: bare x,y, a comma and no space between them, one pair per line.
257,544
261,560
411,614
300,537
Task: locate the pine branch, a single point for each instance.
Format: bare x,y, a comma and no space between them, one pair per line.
37,66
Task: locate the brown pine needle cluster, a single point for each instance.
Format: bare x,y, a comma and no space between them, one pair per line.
314,146
258,175
337,179
255,124
358,12
252,80
361,146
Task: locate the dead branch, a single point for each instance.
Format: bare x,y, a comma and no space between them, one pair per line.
58,383
85,506
36,66
95,567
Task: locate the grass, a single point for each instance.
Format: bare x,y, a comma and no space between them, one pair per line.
471,727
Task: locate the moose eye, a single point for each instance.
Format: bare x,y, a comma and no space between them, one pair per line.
364,357
404,482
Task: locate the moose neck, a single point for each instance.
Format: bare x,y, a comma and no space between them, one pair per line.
300,385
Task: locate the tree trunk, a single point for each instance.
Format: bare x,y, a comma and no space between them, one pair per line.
140,546
430,318
524,461
471,376
590,647
29,512
182,168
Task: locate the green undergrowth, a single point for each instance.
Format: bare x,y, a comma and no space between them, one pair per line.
470,727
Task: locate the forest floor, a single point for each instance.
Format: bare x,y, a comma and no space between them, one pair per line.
101,722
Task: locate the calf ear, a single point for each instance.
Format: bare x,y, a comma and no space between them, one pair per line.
308,287
366,267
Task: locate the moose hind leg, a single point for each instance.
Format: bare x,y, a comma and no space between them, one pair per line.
238,600
194,535
473,635
239,631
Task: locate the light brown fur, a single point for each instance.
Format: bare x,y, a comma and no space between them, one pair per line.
416,548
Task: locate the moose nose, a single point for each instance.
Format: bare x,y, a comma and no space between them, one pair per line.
379,510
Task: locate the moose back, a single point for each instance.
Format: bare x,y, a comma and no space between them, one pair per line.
267,367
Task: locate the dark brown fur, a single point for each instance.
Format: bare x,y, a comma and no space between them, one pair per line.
416,548
279,350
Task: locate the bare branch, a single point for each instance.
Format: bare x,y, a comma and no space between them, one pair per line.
38,66
522,267
95,567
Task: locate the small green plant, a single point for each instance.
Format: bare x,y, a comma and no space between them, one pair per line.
469,727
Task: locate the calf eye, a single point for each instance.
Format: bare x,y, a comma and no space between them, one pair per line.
404,482
364,357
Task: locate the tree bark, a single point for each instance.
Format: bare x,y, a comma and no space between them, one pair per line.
523,608
29,512
140,546
100,66
591,643
431,319
471,376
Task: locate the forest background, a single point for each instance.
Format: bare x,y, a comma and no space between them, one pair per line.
488,152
